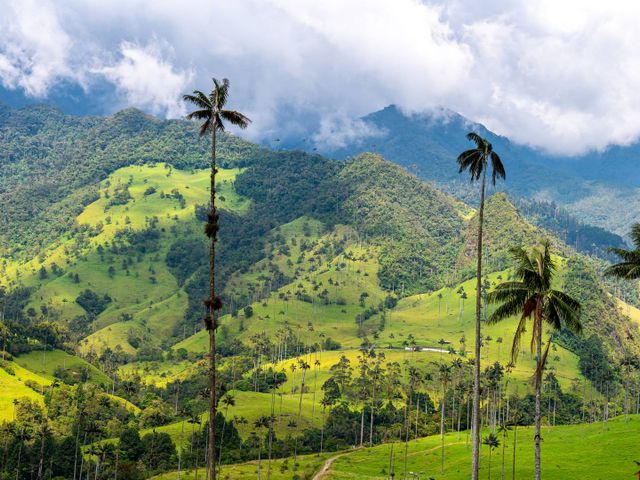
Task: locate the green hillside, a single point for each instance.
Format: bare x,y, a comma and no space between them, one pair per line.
356,276
119,249
591,452
17,382
280,469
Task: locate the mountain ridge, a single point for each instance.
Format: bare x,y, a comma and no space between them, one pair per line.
597,187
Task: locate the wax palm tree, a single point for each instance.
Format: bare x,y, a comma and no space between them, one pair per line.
516,418
210,109
492,442
184,413
304,366
228,401
259,424
531,296
476,161
629,267
503,429
444,375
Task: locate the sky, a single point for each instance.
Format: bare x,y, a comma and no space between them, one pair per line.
560,75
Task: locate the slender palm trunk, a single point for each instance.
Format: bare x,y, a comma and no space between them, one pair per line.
515,444
271,420
442,429
504,438
407,426
211,453
19,453
322,427
362,425
115,470
260,457
475,426
41,462
391,473
538,381
295,449
373,400
489,472
180,451
75,456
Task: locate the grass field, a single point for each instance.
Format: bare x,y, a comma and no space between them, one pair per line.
158,373
13,387
281,469
629,310
568,452
147,291
45,363
591,452
250,406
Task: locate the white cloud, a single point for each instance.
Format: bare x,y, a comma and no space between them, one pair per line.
148,80
557,75
339,130
34,48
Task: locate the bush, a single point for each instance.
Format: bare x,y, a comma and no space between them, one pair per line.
92,302
330,344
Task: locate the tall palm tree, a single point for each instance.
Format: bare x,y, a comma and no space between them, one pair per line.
629,267
477,160
503,429
492,442
444,374
262,422
516,418
210,109
193,420
184,413
304,366
531,296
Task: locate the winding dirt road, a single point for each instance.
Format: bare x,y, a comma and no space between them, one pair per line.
327,464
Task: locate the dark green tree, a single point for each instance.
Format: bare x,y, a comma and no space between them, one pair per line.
130,446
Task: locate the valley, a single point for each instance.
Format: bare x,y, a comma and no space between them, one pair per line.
348,293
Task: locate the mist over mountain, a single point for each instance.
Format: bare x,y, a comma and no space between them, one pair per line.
599,188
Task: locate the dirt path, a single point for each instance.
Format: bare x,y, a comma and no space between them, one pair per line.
327,464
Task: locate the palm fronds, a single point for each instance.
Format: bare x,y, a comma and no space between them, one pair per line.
629,267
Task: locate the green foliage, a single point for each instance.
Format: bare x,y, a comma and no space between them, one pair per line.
76,153
583,237
93,303
418,227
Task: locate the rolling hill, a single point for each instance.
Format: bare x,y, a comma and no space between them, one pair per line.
597,187
320,261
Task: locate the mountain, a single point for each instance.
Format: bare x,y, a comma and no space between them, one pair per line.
600,188
104,268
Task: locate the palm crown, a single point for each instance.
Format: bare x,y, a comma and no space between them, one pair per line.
629,268
532,296
211,109
476,159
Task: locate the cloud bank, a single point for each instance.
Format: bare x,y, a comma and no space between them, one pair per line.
561,76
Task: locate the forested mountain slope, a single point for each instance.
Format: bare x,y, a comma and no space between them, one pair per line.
104,270
99,207
599,188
